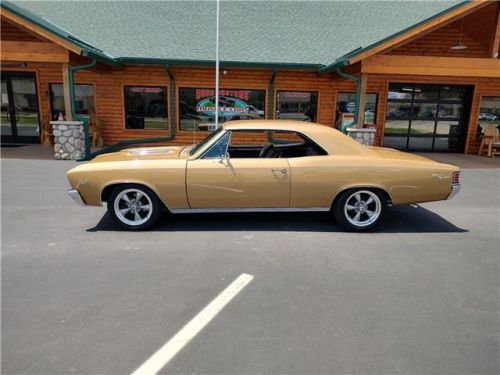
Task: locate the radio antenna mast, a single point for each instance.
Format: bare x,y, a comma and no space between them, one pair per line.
217,67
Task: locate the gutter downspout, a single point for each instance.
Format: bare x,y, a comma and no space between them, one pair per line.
116,146
86,124
271,94
358,94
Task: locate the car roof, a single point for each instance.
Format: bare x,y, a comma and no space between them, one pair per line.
327,137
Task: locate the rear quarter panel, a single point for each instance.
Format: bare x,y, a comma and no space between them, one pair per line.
315,181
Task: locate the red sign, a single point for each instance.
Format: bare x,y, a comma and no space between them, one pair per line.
240,94
153,90
295,94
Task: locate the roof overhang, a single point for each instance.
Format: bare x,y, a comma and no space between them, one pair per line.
227,64
42,27
430,24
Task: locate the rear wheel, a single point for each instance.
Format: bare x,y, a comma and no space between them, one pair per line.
360,209
134,207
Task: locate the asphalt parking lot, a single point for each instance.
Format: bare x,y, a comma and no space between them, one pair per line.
80,296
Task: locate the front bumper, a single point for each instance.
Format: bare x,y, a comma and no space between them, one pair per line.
455,189
76,197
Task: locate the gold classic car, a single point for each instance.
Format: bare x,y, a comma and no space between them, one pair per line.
261,165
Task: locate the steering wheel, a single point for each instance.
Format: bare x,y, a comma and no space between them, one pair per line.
265,150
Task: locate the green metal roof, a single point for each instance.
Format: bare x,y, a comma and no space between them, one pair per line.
306,34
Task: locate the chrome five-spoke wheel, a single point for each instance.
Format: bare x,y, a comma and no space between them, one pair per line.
360,209
134,207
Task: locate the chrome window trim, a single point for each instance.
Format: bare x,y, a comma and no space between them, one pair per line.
225,134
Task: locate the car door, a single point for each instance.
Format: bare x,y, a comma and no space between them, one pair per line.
217,181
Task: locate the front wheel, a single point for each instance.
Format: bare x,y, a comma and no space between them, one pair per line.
360,209
134,207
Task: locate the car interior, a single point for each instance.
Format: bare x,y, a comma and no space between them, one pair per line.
272,145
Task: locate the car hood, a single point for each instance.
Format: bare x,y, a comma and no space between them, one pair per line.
142,153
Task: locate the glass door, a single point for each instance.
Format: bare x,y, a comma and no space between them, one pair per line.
427,117
19,119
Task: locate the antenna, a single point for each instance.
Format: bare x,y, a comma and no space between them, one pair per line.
217,68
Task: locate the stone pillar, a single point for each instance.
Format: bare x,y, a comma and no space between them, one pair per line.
69,139
365,136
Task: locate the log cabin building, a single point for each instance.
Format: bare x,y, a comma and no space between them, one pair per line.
426,77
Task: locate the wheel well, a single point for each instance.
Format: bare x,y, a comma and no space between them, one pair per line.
106,192
386,194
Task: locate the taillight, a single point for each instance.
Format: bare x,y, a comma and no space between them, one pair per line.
456,178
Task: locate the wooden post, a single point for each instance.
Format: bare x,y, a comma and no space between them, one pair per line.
67,98
496,40
362,101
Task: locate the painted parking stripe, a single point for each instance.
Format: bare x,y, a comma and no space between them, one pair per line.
159,359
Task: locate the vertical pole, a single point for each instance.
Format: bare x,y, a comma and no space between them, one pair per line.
217,68
271,95
362,100
66,91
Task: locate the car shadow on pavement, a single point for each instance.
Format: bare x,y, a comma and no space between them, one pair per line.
400,219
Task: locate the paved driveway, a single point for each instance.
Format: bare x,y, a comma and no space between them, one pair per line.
80,296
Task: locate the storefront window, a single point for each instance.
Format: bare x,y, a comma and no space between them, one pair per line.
146,107
297,105
197,106
346,104
84,95
489,114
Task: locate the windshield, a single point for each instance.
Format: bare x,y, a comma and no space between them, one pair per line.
205,141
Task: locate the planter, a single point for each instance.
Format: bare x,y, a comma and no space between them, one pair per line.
69,139
365,136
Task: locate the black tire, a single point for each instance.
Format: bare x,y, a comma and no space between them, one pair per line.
118,206
354,214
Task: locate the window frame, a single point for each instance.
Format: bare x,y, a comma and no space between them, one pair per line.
300,134
276,102
197,87
124,108
377,102
51,107
478,133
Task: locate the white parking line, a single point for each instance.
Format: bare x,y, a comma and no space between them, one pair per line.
158,360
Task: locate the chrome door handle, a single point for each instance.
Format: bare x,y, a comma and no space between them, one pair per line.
279,170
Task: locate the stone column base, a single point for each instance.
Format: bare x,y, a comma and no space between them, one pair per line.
69,139
365,136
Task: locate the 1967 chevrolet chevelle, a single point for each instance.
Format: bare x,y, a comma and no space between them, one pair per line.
260,165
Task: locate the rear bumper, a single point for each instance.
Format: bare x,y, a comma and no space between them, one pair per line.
76,197
455,189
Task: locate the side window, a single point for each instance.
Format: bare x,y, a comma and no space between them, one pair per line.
282,137
218,150
268,144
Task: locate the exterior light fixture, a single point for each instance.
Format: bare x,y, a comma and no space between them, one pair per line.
459,45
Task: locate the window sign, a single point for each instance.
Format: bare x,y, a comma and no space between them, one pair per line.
297,105
146,108
197,106
84,95
489,114
346,104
